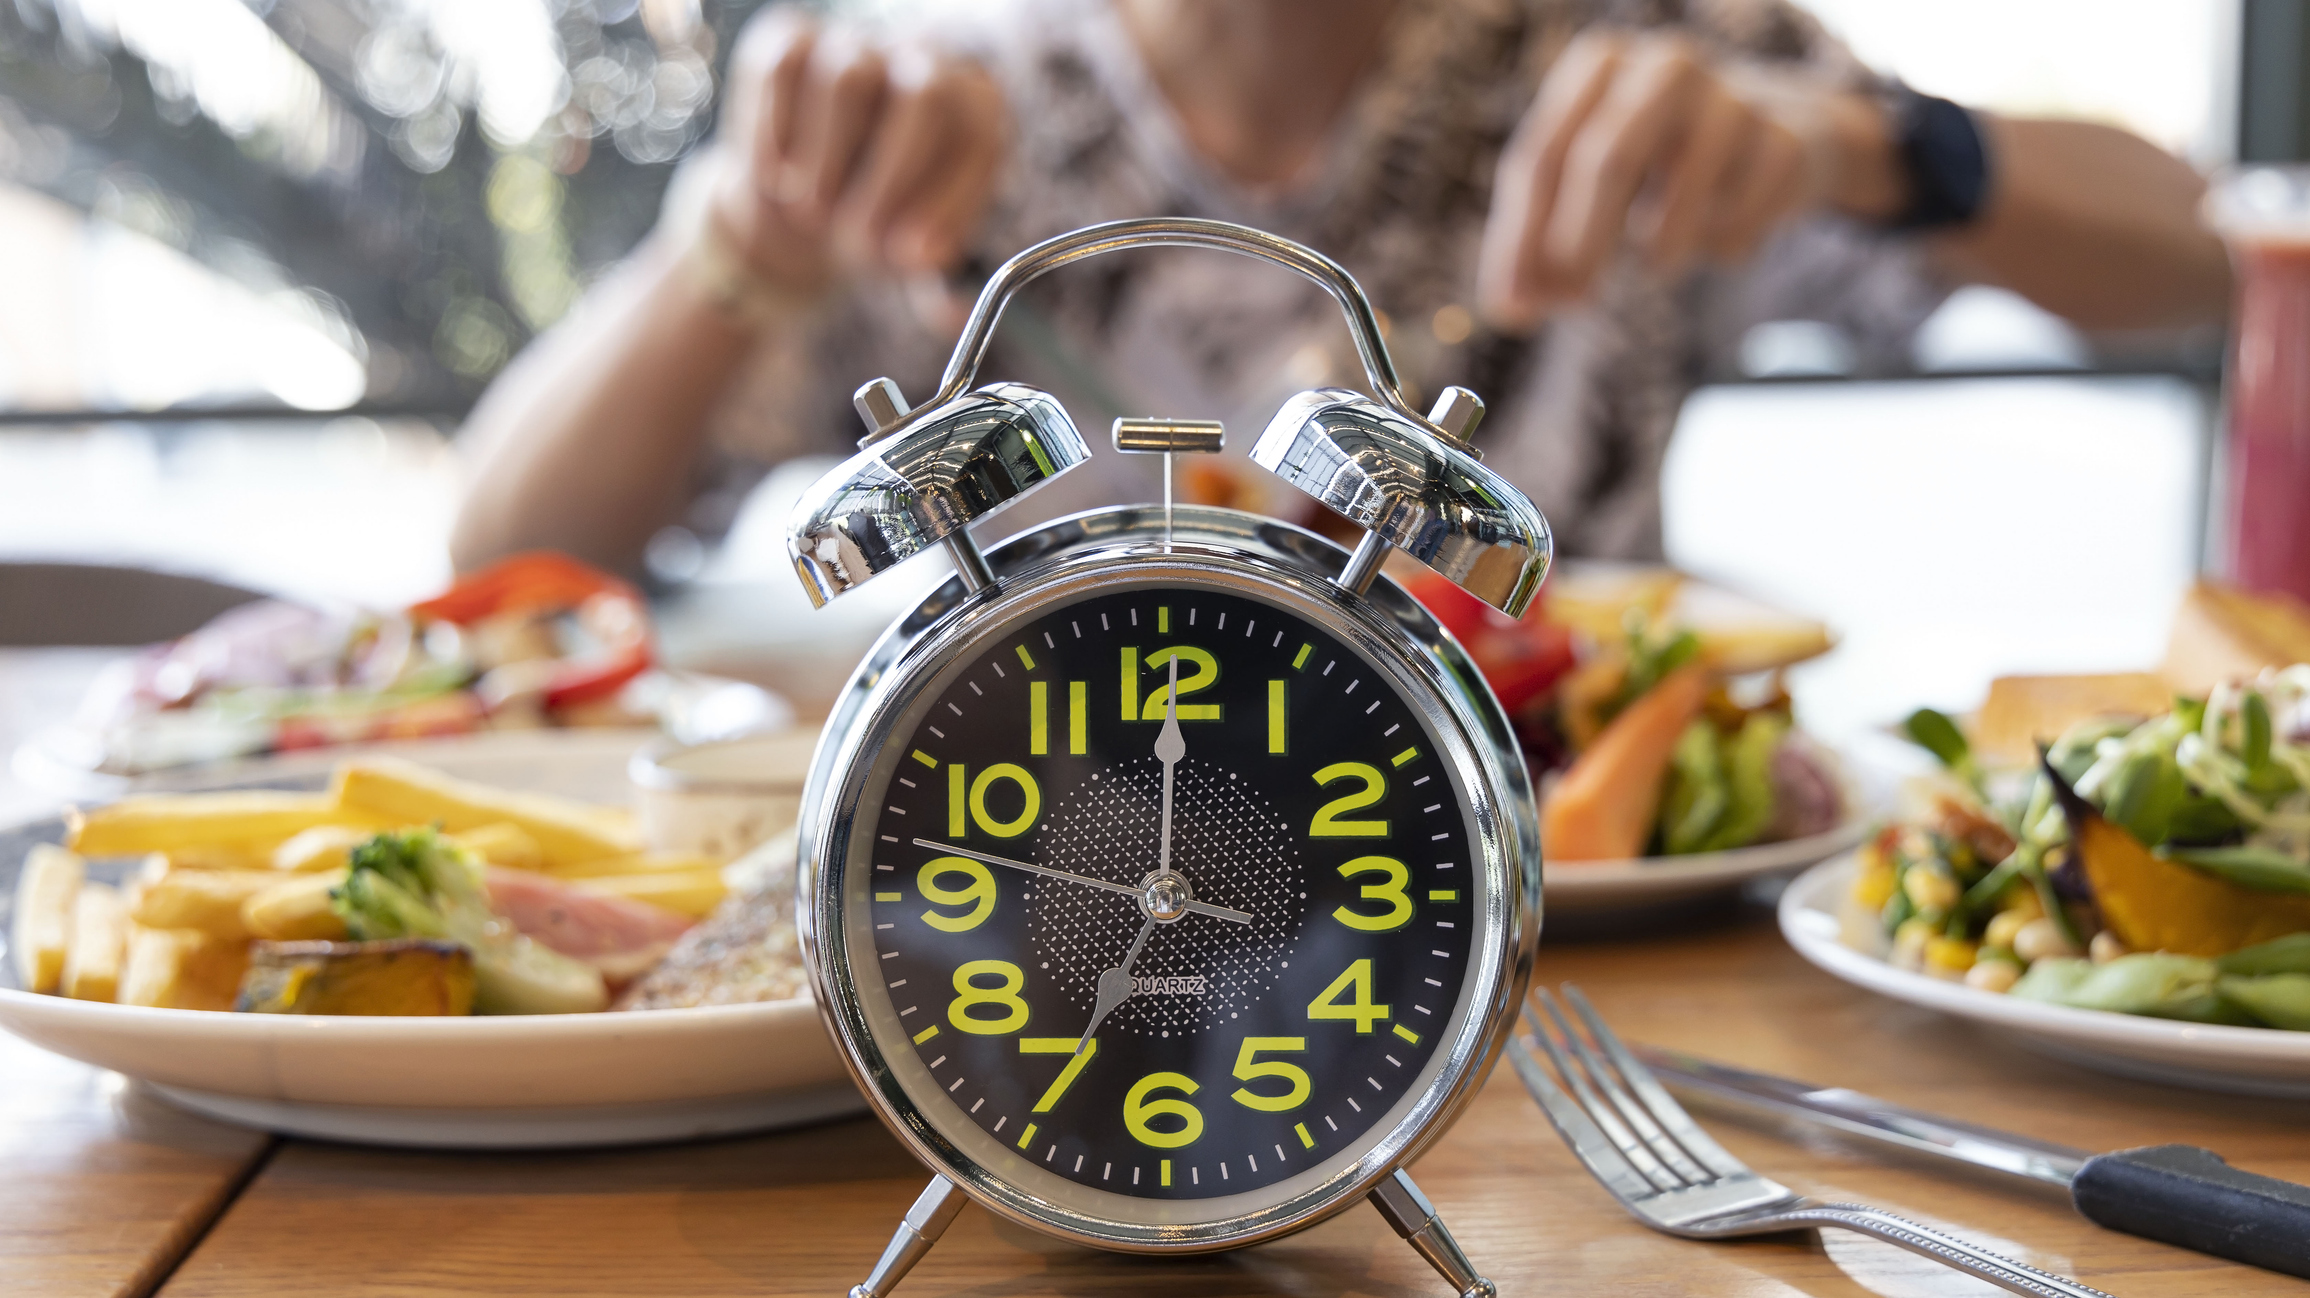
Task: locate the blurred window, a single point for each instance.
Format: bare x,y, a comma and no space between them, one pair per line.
313,204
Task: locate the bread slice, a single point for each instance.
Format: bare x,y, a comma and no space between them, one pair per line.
2222,633
2024,711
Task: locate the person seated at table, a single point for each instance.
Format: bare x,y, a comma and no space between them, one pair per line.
1572,207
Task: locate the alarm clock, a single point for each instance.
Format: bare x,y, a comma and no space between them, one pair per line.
1169,878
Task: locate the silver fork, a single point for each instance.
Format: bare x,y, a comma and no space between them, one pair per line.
1668,1172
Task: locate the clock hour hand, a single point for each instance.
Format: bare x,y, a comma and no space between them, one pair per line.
1115,984
1127,889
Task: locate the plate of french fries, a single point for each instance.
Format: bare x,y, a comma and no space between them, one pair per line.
432,945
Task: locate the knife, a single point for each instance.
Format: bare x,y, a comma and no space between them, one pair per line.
2175,1194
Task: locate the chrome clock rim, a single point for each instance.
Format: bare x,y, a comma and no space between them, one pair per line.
1112,548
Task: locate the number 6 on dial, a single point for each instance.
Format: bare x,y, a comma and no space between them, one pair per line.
1139,1112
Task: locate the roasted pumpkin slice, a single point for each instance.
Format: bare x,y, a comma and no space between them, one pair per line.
403,976
2153,904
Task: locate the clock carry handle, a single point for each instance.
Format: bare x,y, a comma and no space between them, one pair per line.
1412,482
1183,232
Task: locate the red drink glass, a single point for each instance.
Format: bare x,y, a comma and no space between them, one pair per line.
2264,214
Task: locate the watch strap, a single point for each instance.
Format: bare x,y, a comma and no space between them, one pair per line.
1944,158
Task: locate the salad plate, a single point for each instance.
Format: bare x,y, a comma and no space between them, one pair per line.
2241,1060
563,1080
1581,888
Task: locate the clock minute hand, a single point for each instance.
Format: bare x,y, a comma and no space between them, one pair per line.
1170,746
1127,889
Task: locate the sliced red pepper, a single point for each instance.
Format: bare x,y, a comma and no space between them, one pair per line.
1520,658
542,580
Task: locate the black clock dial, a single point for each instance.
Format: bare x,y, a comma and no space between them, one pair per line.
1288,976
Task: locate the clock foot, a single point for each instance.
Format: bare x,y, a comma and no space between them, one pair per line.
924,1223
1415,1219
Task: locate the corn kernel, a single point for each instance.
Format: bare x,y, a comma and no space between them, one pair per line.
1930,890
1993,974
1874,882
1949,957
1909,943
2003,926
2021,899
2039,939
2105,947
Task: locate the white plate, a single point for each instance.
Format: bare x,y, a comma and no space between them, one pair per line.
485,1082
1581,887
2248,1061
1591,887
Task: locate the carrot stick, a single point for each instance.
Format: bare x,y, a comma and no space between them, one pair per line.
1603,808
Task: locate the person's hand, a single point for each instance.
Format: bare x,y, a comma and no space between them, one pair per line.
1637,141
840,155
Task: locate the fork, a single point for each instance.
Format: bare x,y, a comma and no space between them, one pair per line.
1668,1172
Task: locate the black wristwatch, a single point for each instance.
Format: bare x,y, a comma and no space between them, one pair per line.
1944,158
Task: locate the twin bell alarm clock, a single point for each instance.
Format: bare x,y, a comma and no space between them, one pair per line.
1168,879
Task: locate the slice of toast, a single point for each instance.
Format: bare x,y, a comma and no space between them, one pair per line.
2222,633
2023,711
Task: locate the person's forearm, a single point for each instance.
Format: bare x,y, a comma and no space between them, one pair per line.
588,442
2093,224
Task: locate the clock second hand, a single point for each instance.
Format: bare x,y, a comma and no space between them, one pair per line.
1131,890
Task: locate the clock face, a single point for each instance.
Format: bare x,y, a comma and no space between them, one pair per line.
1188,1007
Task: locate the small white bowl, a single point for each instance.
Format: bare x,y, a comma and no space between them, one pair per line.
724,798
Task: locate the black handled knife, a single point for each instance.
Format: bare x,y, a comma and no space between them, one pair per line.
2175,1194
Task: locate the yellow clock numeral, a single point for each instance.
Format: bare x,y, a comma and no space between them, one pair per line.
978,894
973,804
1139,1112
1247,1069
1005,997
1389,890
1067,1075
1078,717
1275,721
1204,676
1358,982
1327,823
1038,717
1130,684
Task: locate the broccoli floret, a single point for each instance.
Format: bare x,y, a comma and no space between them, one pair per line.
415,883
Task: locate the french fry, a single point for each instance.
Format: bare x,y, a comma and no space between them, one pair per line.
99,941
181,969
208,901
252,821
41,934
150,871
503,844
405,793
321,848
635,863
688,892
296,910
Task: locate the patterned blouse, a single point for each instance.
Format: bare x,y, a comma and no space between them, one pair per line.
1580,412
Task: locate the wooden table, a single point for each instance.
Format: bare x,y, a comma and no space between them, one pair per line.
106,1191
807,1211
102,1188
